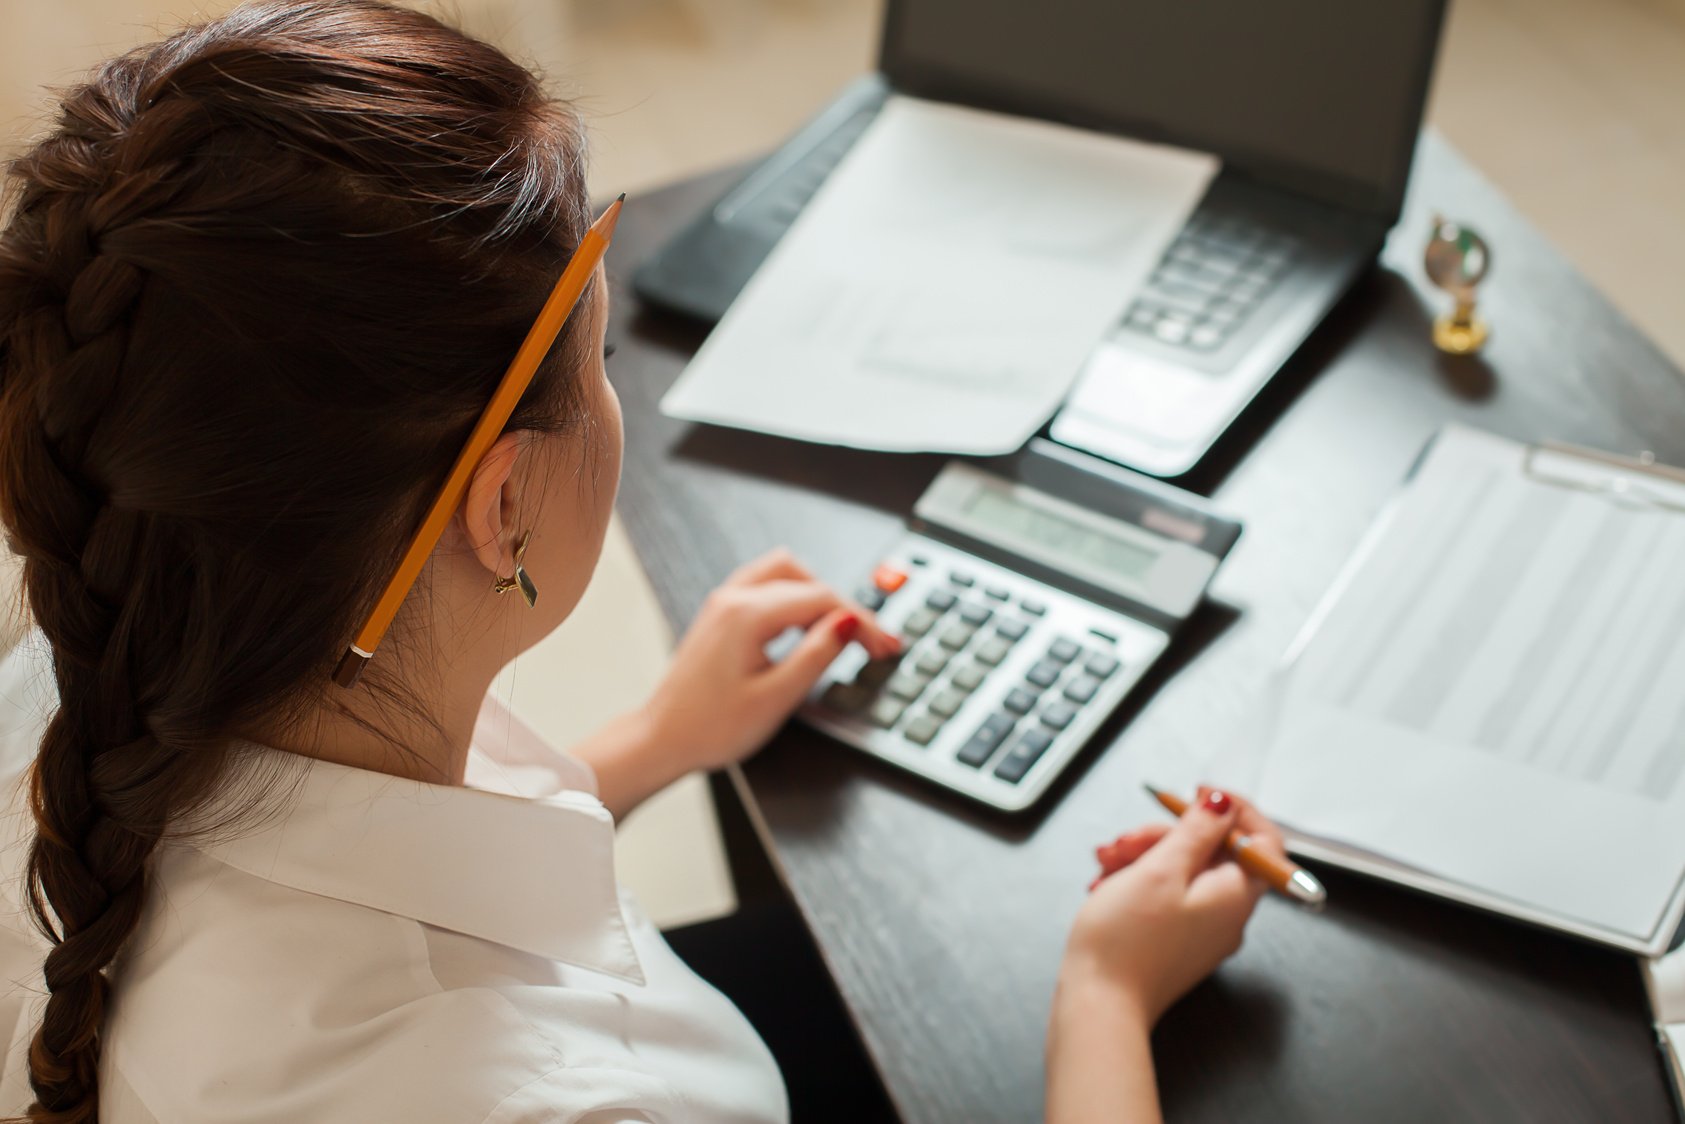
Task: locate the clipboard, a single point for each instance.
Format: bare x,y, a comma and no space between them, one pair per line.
1632,483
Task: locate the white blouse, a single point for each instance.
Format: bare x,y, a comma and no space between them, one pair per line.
377,949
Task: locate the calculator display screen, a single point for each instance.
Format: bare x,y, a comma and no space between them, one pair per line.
1052,532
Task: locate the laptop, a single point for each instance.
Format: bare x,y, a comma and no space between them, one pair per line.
1313,106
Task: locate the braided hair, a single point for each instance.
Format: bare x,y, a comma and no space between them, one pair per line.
257,285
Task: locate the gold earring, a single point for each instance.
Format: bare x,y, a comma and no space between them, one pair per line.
529,592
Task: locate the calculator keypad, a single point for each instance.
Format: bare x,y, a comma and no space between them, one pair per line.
998,673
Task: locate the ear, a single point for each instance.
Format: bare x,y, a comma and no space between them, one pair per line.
488,508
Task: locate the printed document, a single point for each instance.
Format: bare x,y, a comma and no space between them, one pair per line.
942,289
1492,693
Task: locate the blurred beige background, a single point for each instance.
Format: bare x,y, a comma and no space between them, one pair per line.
1570,106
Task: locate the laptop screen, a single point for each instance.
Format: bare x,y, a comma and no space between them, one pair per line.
1322,96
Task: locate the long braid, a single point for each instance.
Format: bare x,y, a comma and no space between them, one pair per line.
252,296
97,778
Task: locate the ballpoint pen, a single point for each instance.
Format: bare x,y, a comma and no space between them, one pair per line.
1281,875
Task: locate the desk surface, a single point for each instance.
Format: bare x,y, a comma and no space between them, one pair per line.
943,926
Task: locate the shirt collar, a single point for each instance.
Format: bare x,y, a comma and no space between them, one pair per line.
533,873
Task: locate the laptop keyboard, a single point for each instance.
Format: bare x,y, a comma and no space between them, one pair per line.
774,205
1219,269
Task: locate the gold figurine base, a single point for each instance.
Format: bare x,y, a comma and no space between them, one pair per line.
1455,336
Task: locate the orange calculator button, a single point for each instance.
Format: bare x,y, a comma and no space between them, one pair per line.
888,578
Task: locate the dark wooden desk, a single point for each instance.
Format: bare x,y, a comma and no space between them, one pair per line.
943,926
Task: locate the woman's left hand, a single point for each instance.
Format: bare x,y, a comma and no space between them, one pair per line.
723,697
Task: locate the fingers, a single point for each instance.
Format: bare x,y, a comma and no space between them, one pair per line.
1226,892
771,607
1125,849
1251,822
1197,838
777,605
798,599
774,565
796,674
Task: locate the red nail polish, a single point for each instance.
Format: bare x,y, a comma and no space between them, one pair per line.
1107,852
1217,802
847,627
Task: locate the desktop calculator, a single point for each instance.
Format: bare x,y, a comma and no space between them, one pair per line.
1032,593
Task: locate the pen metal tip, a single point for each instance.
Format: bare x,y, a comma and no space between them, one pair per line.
1305,888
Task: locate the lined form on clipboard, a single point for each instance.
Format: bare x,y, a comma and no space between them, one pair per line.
1491,701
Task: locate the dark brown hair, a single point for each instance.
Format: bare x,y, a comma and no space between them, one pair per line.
257,285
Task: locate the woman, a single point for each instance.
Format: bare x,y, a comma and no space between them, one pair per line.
258,285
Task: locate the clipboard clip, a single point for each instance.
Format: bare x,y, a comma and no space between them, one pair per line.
1625,482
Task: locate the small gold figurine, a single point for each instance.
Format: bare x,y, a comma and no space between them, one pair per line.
1457,260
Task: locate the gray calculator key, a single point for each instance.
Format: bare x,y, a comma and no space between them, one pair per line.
922,729
919,622
1246,288
1011,628
871,597
1100,665
1028,750
1081,690
908,685
986,740
975,614
1058,716
957,636
962,579
1064,650
1044,674
940,600
1205,337
1034,608
947,703
970,677
931,662
1226,313
886,711
1172,329
1019,701
873,673
977,750
993,650
846,697
997,592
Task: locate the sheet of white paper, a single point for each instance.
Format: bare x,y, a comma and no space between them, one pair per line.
1492,692
940,292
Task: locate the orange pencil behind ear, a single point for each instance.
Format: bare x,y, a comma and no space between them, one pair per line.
557,308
